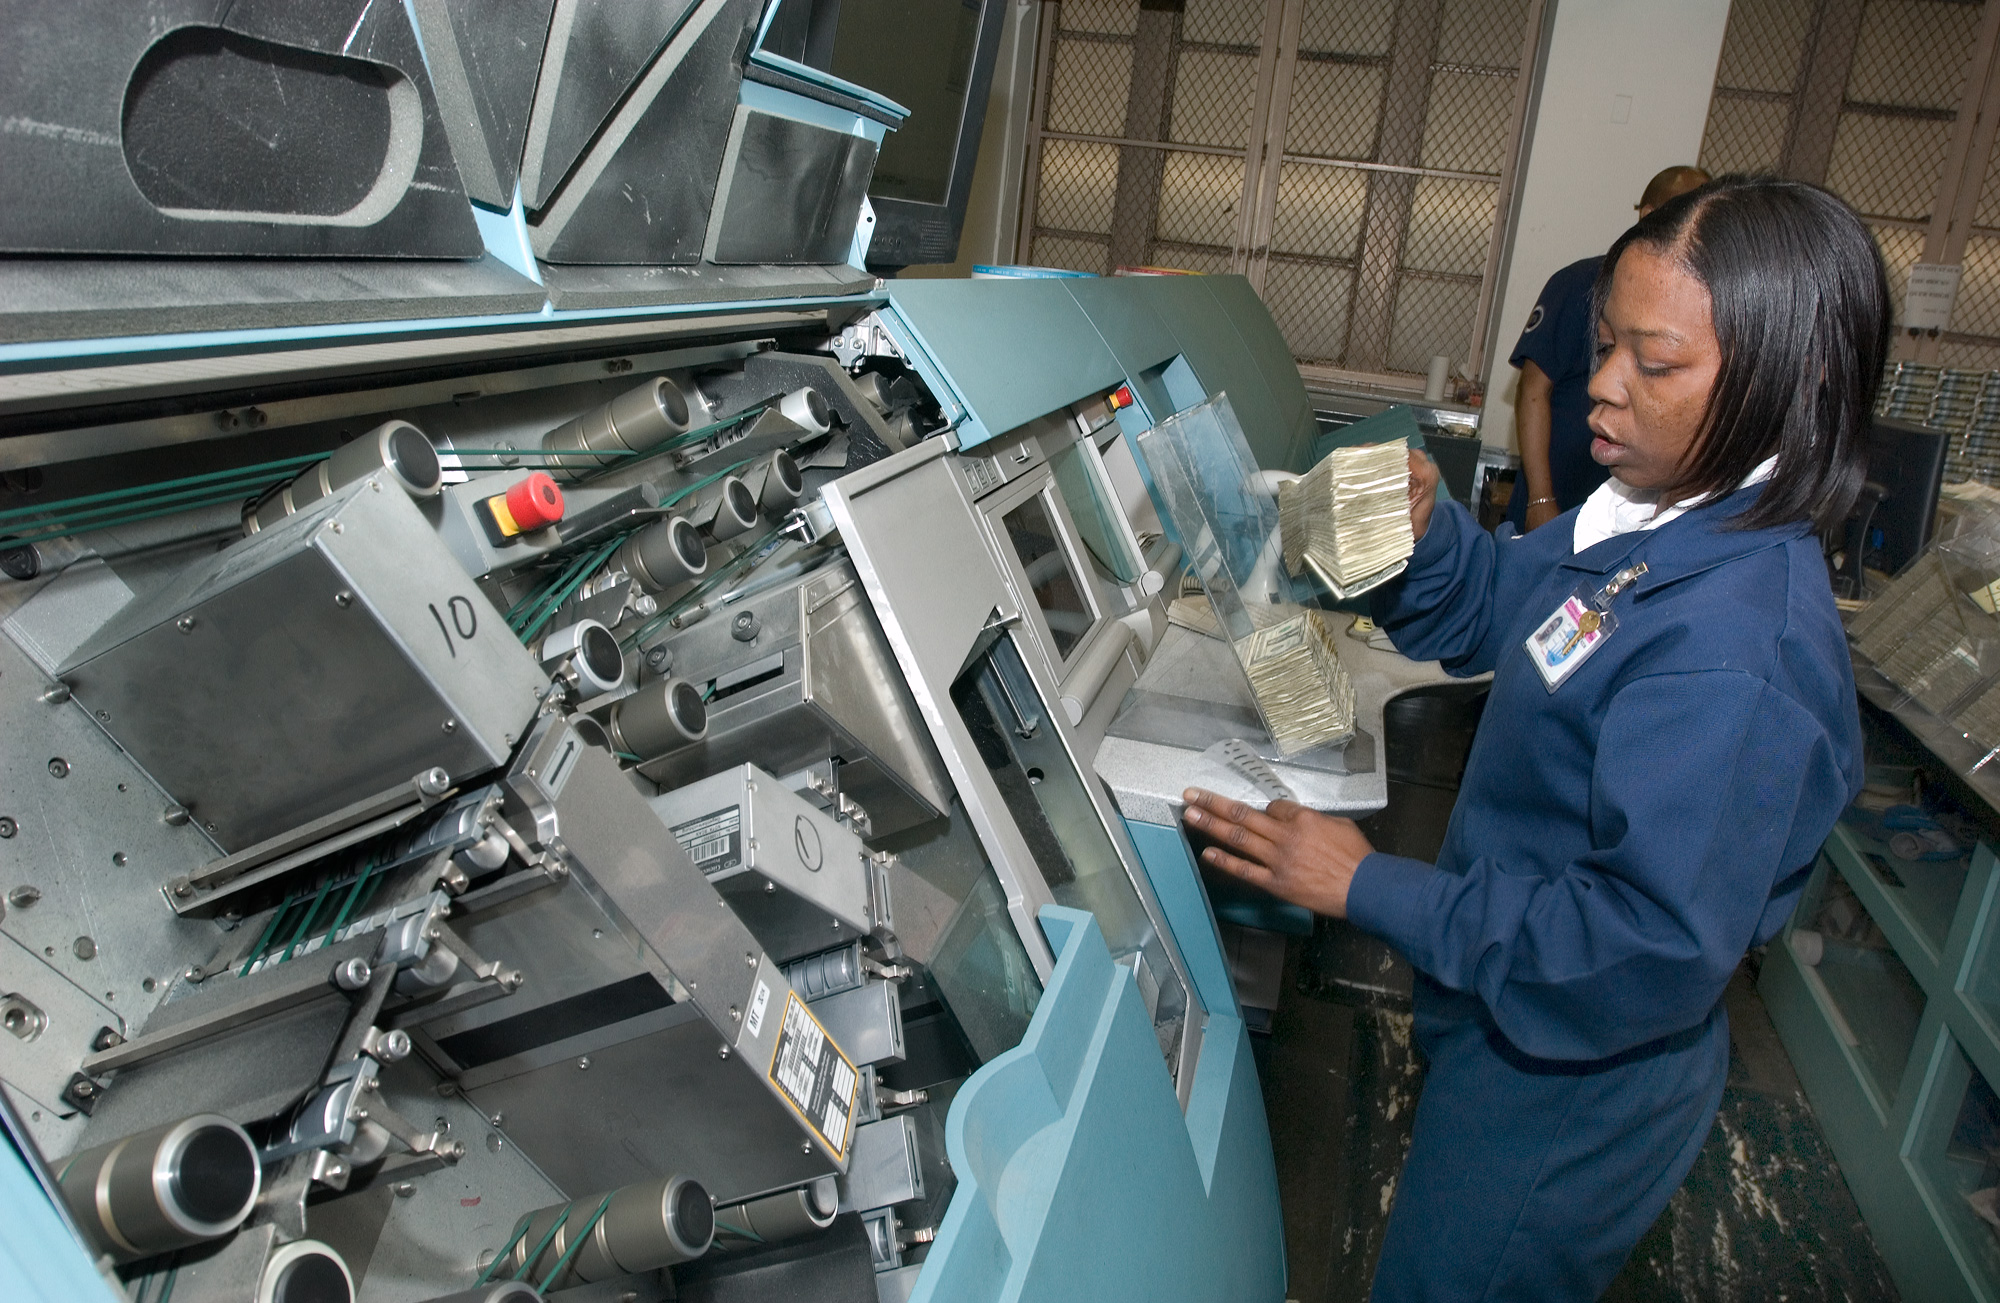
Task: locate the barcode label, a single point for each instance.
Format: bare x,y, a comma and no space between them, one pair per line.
813,1075
715,841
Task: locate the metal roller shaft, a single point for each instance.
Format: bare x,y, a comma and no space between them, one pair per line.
591,652
808,409
663,554
786,1216
776,482
498,1291
398,448
167,1188
305,1271
644,1227
634,421
731,511
664,715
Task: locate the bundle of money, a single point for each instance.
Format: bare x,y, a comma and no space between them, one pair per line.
1348,519
1301,687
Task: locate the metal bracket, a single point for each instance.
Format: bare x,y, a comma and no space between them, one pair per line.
198,893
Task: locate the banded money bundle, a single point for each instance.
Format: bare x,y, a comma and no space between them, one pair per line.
1348,519
1301,687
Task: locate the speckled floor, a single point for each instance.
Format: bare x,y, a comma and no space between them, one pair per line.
1764,1215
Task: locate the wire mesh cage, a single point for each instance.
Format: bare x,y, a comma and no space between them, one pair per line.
1367,227
1868,97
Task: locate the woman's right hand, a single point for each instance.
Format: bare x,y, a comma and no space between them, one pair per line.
1423,492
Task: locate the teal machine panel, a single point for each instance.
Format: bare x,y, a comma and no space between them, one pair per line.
1079,1176
976,340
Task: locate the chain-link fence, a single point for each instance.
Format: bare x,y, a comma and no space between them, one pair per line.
1389,128
1867,98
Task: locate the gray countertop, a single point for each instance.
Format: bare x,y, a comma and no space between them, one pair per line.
1210,699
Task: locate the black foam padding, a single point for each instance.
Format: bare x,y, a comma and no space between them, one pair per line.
216,119
642,193
312,1278
247,1075
834,1267
596,49
267,127
215,1175
89,298
793,193
631,287
484,57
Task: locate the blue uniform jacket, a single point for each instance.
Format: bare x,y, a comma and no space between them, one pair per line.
1561,339
1619,843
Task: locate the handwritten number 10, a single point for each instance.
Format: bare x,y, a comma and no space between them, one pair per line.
464,619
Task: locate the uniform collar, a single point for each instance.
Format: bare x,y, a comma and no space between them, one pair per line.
1684,547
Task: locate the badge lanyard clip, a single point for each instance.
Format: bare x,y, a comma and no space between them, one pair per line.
1578,627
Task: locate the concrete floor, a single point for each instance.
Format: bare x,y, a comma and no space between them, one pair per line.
1765,1214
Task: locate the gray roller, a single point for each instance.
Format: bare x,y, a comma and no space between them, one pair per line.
397,448
776,482
733,510
305,1271
807,408
499,1291
874,390
644,1227
590,651
663,554
664,715
635,421
787,1216
167,1188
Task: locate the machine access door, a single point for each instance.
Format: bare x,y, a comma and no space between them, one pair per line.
940,585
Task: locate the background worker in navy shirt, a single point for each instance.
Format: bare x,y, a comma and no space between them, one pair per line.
1556,356
1670,736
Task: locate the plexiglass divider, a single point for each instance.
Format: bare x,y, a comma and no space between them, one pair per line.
1211,487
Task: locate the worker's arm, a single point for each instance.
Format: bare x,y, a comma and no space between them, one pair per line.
1531,432
1708,789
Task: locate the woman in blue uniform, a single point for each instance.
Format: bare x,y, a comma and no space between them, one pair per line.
1670,735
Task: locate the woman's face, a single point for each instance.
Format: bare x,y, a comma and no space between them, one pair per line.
1657,362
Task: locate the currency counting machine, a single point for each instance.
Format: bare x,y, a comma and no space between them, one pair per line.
561,737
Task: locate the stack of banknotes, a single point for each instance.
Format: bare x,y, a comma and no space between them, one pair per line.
1304,693
1348,519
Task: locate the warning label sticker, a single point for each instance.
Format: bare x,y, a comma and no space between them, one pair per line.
814,1076
715,841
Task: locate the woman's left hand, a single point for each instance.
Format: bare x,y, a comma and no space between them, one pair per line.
1294,853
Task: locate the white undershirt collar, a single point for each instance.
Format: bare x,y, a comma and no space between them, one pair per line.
1615,509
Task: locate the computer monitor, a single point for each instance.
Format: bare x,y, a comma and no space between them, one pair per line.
935,58
1908,462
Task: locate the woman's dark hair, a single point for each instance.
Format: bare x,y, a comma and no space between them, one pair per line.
1801,310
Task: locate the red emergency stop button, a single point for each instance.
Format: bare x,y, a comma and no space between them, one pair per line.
534,503
1121,398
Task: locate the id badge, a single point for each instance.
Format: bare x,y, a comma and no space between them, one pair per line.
1577,628
1567,638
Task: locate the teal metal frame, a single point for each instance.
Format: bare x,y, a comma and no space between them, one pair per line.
972,341
1877,1135
1079,1176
